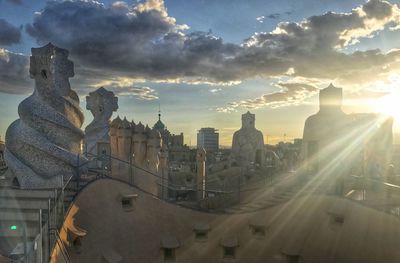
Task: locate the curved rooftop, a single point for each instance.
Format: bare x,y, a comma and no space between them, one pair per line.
315,228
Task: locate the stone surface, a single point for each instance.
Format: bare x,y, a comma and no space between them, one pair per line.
201,173
302,223
43,146
154,144
247,142
101,103
140,146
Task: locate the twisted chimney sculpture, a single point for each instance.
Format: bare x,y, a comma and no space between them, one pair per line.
43,146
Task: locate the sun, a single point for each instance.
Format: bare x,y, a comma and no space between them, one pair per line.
388,105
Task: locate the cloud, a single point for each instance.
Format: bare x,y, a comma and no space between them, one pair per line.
127,87
9,34
378,9
315,47
143,93
274,16
143,41
14,73
260,19
290,93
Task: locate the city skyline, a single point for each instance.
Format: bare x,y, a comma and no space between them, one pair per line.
209,68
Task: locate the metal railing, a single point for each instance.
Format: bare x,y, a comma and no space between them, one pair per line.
59,242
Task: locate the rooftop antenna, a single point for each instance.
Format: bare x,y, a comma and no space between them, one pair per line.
159,112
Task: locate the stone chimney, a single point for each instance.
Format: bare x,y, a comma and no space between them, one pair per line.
201,174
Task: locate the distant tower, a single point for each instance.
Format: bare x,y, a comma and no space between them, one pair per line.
162,129
208,138
159,112
201,173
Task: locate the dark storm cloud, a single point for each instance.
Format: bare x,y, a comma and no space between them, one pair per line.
9,34
138,41
378,9
14,76
144,41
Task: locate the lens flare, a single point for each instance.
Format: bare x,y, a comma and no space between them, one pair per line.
388,105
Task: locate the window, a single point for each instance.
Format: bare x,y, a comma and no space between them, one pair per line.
258,228
292,258
337,219
258,232
169,245
337,214
229,252
169,255
201,235
229,246
201,231
127,201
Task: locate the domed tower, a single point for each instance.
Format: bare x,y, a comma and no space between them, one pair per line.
44,145
162,129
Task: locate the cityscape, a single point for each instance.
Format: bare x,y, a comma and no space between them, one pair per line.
184,131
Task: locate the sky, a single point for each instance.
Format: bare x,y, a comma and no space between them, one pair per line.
206,62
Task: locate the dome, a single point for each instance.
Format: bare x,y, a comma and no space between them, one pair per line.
159,126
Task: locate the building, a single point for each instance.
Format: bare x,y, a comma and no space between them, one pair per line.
170,140
162,129
176,140
208,138
336,143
